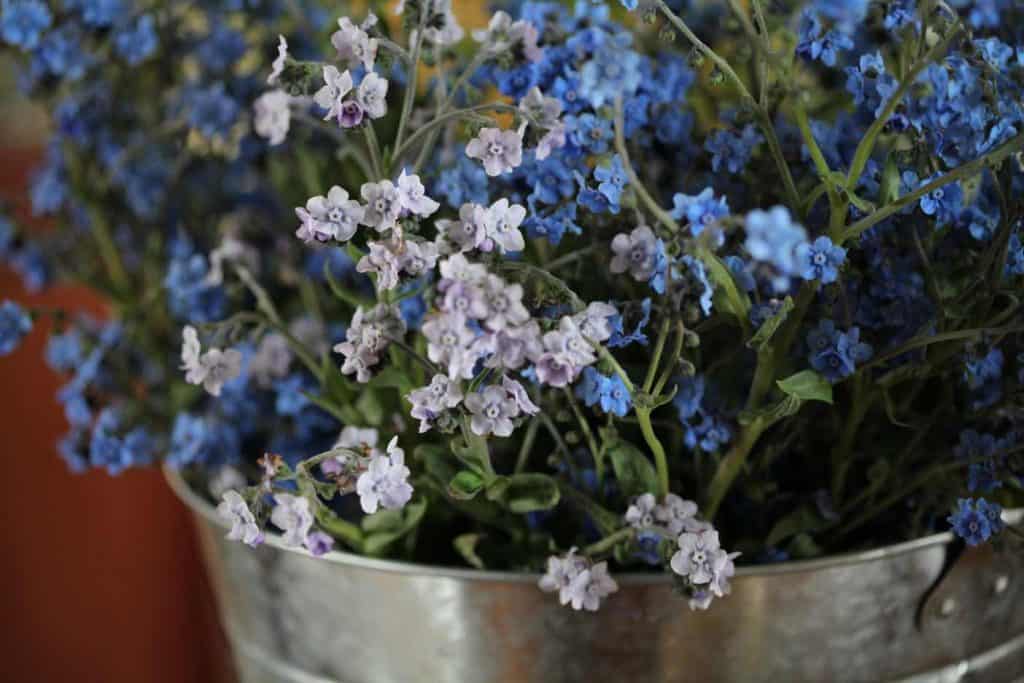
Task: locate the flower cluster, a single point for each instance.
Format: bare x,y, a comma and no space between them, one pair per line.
585,269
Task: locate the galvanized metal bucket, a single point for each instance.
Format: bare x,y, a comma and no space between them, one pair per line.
922,611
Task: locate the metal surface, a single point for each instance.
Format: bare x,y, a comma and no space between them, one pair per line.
911,612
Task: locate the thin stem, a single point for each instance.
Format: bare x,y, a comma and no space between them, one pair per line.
571,257
993,158
620,146
373,145
588,434
657,450
413,84
527,446
730,468
659,348
609,542
920,342
677,351
429,127
108,252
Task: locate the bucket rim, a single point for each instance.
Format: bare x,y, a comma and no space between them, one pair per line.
205,510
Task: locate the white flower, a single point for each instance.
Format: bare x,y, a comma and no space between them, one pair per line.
510,347
590,587
553,139
273,116
539,109
502,35
413,196
492,411
674,513
706,567
500,151
337,84
384,483
443,28
373,93
466,233
277,67
212,369
363,439
334,216
243,524
293,517
383,205
640,514
382,261
501,223
430,401
595,321
354,45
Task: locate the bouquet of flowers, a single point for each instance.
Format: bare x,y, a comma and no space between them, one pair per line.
600,287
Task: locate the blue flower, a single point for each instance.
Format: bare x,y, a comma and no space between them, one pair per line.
629,4
620,337
553,181
64,351
189,296
701,210
1014,255
817,43
15,323
820,260
60,53
613,180
515,83
589,133
848,14
463,183
136,40
221,48
834,353
608,392
22,22
976,521
553,226
211,111
943,202
984,455
201,441
613,71
983,375
901,13
98,13
692,282
773,238
731,150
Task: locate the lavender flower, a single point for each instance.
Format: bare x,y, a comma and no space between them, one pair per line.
591,586
675,514
211,369
448,344
510,347
293,517
355,47
500,151
636,252
318,543
367,337
384,483
372,95
467,233
501,225
640,514
504,303
234,509
383,205
383,261
351,114
413,196
277,66
430,401
702,562
560,574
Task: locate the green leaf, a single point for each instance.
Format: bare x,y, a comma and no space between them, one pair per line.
770,326
465,546
769,415
890,185
369,405
804,519
465,485
728,297
522,493
807,385
385,527
633,470
472,451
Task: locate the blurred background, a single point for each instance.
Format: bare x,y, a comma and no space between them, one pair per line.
102,579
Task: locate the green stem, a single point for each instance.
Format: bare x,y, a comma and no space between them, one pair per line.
920,342
730,468
677,352
609,542
867,143
108,252
841,460
412,85
620,146
993,158
373,145
588,434
527,446
657,450
659,348
431,126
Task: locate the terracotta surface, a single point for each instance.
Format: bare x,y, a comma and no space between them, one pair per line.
101,578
